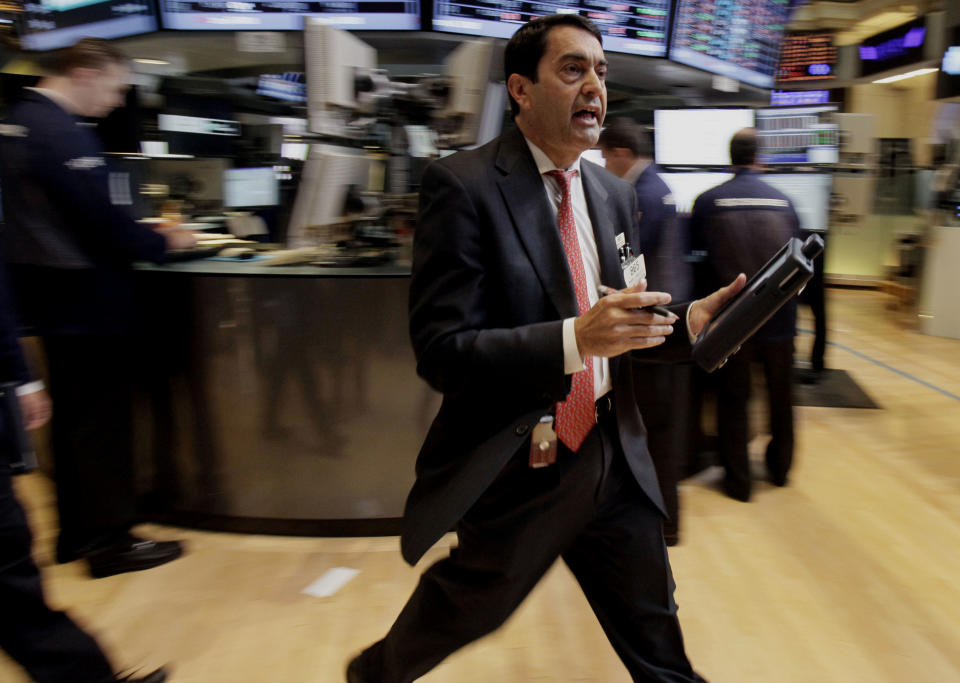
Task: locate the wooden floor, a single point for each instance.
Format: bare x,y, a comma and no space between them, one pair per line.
850,574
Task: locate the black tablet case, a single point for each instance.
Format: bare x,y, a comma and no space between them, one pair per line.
770,288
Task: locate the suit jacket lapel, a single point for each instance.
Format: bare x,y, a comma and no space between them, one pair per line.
523,194
610,272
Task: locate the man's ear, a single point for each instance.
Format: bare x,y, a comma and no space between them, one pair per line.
83,73
518,87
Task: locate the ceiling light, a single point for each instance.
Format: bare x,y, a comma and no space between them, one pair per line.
909,74
160,62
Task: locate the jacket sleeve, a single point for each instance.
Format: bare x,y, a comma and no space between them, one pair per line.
458,348
13,366
77,184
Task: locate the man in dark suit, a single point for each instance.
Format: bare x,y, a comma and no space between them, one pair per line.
45,642
70,251
737,227
513,241
663,391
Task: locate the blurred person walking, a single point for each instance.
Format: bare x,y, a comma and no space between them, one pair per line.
662,390
45,642
737,227
71,251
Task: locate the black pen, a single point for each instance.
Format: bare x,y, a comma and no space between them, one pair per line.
603,290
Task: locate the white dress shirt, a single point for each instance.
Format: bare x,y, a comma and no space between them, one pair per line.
572,361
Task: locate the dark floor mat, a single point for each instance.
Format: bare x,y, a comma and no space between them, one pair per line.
835,389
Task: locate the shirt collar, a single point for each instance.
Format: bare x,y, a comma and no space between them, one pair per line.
639,167
57,98
544,163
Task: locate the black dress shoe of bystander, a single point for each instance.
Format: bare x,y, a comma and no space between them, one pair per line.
131,554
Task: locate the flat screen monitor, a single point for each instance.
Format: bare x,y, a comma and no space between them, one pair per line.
333,59
196,180
893,49
807,57
798,135
697,137
630,26
261,15
199,135
53,24
793,98
686,187
290,86
740,39
245,187
810,194
327,176
948,78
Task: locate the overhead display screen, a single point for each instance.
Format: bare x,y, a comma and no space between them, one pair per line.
288,15
633,27
807,57
735,38
948,79
898,47
798,135
810,195
697,137
52,24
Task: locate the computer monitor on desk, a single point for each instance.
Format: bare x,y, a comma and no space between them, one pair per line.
197,181
326,178
250,187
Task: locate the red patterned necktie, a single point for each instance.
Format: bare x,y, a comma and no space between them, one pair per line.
576,416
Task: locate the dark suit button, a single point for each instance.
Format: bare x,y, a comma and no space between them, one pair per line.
521,429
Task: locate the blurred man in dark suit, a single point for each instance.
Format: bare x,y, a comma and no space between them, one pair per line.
538,450
663,391
45,642
70,251
738,226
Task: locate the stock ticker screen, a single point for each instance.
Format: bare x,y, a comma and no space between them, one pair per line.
288,15
639,28
52,24
807,57
735,38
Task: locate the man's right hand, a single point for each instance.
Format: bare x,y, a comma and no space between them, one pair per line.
178,238
613,326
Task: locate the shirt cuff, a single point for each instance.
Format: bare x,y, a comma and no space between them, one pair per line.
29,388
572,362
690,334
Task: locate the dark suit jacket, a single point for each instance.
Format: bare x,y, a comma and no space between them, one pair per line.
69,247
489,292
661,237
741,236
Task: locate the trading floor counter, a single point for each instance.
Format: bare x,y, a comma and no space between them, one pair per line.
277,399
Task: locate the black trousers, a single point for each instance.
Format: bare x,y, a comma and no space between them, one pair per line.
663,396
814,296
733,395
45,642
90,386
588,509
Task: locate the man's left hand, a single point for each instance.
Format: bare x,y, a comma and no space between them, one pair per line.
35,408
702,310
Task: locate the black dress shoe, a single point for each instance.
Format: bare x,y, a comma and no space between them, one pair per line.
131,554
737,491
355,671
158,676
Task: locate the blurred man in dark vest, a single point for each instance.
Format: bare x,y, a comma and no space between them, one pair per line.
71,251
738,226
663,391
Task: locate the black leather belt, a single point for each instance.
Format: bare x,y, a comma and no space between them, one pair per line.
603,407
